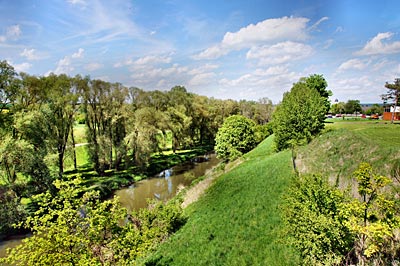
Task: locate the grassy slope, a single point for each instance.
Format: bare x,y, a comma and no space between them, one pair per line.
237,222
347,144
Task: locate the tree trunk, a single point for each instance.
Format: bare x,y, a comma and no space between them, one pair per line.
73,148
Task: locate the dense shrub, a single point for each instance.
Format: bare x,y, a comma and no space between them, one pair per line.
235,137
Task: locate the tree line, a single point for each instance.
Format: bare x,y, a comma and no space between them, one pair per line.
124,125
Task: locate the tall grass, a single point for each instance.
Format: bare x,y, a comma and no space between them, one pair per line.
238,221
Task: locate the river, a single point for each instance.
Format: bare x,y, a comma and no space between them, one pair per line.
161,187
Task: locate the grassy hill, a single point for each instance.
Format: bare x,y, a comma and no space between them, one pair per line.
237,222
346,144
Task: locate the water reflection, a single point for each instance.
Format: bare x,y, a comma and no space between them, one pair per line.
165,185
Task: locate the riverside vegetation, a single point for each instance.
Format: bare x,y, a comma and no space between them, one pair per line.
253,214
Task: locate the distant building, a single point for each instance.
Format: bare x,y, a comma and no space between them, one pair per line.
388,113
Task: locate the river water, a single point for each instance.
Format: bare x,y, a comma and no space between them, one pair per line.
163,186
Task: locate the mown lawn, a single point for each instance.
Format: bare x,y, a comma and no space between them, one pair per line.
237,222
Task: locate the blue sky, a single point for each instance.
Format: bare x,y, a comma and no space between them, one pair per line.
224,49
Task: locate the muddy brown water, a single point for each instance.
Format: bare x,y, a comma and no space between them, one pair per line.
163,186
166,184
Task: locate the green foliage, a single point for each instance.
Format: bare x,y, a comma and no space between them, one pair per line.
319,83
237,221
329,227
235,137
76,228
374,218
313,218
338,108
299,117
375,109
11,211
352,106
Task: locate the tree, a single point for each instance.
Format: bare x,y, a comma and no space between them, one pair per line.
77,228
299,117
235,137
319,83
393,94
374,109
352,106
338,108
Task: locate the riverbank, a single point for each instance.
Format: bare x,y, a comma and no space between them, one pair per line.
237,221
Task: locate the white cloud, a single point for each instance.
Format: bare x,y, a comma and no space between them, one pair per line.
64,66
93,66
279,53
202,79
78,54
269,30
23,67
77,2
30,54
316,24
12,33
152,59
377,46
353,64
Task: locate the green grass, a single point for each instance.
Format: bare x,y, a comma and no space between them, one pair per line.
346,144
80,133
238,221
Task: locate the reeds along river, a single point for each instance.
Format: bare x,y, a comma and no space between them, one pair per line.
163,186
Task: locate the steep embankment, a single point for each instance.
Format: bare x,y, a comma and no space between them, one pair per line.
339,152
237,221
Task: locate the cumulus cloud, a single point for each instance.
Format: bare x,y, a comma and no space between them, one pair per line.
269,30
23,67
30,54
12,33
377,45
353,64
78,54
279,53
64,65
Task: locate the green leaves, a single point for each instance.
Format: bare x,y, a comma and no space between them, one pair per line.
76,228
299,117
235,137
329,227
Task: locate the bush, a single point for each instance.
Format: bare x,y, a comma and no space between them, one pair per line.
312,214
235,137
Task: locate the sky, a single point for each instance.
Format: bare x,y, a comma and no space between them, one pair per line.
224,49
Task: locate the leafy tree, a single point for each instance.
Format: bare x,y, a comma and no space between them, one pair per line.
9,84
393,94
77,228
375,109
338,108
235,137
352,106
319,83
299,117
373,218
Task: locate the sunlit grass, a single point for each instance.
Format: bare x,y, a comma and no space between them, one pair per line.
238,221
